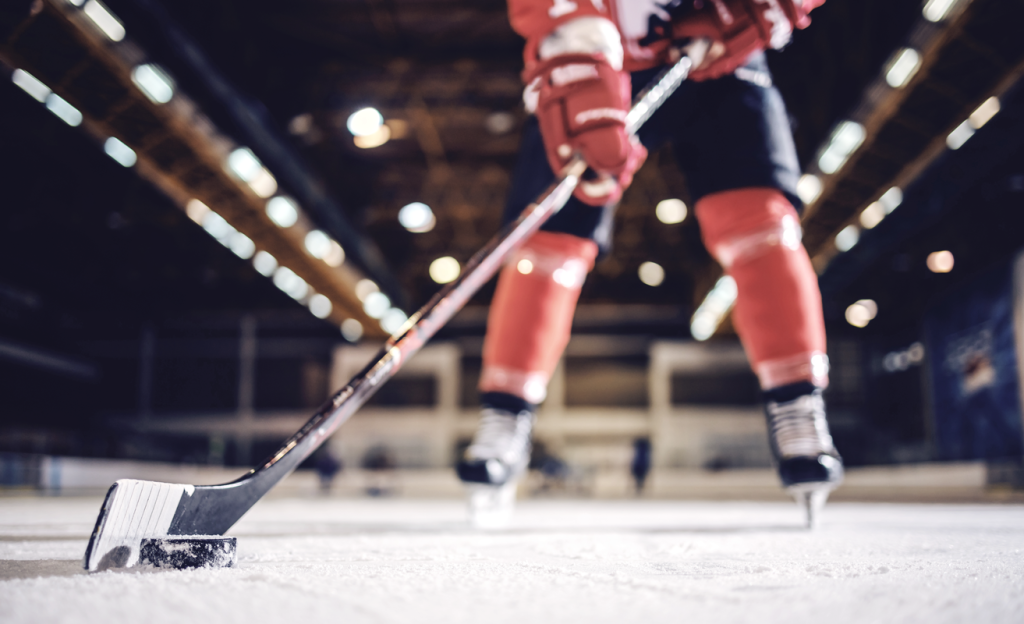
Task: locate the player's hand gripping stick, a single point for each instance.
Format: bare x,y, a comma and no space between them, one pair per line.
582,103
737,29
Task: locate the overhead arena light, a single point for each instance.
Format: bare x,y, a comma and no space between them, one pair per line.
376,305
352,330
375,139
321,246
937,10
124,155
960,135
981,116
847,238
216,226
196,210
264,263
444,269
365,122
651,273
891,199
317,243
290,283
320,306
417,217
241,245
861,313
393,320
712,310
30,84
154,83
940,261
877,210
670,211
872,215
903,67
335,255
283,211
845,140
244,164
365,287
61,108
808,188
984,113
106,21
499,123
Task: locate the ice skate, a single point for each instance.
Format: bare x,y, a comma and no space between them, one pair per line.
493,465
809,465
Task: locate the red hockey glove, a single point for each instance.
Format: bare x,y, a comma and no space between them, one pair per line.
738,28
582,103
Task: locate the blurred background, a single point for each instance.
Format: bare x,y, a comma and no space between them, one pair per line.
214,212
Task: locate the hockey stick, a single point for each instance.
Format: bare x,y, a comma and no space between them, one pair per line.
135,509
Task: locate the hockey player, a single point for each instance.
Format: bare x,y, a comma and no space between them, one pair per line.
730,134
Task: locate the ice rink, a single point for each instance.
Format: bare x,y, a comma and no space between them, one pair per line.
372,560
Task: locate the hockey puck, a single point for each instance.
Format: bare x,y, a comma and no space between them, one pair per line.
189,552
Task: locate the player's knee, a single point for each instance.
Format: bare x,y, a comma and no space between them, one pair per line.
742,224
564,259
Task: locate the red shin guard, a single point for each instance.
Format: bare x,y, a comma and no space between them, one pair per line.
755,235
531,315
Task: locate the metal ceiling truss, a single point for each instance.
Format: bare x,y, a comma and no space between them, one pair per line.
177,147
974,54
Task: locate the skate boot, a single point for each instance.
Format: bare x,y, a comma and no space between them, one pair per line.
494,463
808,464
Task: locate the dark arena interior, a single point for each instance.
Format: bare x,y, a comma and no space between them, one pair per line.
215,213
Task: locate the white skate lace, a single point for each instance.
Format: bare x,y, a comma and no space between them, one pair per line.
501,435
799,428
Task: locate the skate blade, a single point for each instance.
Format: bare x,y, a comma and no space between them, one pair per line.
491,506
811,497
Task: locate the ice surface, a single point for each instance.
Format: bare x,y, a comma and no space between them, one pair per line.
336,560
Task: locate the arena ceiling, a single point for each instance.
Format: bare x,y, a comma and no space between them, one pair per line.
282,78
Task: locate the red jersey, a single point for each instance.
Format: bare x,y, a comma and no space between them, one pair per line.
638,22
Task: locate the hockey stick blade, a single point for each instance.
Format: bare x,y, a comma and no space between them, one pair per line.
134,510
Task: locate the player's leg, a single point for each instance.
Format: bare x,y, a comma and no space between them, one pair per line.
527,329
755,235
528,325
742,166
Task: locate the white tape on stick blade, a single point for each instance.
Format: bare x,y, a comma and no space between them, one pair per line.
137,509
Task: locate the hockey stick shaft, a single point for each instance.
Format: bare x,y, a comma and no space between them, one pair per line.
423,324
135,509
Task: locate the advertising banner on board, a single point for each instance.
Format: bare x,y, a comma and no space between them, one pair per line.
974,370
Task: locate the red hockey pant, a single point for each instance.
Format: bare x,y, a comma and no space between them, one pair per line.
754,233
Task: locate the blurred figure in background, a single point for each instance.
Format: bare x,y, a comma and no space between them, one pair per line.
327,467
641,464
379,467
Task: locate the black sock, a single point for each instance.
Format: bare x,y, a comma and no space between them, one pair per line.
506,402
789,392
